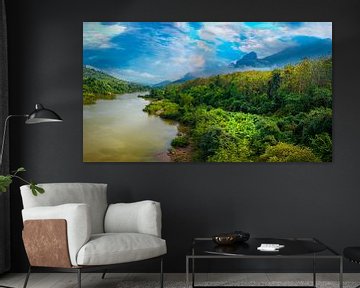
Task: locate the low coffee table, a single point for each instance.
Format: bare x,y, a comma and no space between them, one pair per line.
295,248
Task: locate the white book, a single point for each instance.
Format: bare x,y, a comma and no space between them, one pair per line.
270,247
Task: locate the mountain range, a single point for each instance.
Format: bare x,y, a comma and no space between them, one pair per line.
186,77
304,47
309,47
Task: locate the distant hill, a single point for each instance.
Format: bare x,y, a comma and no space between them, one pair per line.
186,77
100,85
307,47
89,72
162,83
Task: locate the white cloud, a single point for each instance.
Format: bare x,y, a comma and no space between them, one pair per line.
269,41
191,62
197,61
264,42
225,31
316,29
173,58
203,45
182,26
130,74
98,36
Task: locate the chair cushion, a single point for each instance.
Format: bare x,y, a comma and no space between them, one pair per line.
114,248
77,216
137,217
352,253
92,194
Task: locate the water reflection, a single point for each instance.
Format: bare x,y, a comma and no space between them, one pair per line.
119,131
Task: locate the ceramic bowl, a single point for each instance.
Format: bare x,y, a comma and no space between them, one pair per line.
225,239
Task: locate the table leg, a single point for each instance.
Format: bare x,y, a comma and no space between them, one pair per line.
187,272
193,267
193,272
314,271
341,273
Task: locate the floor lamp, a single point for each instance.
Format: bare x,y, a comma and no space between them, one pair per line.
39,115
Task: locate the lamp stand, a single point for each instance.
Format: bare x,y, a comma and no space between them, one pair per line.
4,135
39,115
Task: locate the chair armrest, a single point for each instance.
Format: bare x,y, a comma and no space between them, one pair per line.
52,250
138,217
77,218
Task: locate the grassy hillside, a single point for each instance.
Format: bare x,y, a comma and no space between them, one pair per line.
284,115
99,85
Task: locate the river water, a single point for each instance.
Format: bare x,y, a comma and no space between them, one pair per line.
120,131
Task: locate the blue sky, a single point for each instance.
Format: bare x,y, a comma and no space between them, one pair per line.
151,52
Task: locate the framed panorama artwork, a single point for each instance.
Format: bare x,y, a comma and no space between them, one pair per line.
207,91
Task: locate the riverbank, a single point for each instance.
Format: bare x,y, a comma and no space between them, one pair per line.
182,154
120,131
182,149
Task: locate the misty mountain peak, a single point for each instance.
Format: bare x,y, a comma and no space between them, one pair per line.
307,47
250,56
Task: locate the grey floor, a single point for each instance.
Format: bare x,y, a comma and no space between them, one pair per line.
120,280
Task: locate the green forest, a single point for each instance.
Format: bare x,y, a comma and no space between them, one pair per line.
99,85
283,115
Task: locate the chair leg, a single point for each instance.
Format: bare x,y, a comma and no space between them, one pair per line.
27,277
103,275
79,277
161,272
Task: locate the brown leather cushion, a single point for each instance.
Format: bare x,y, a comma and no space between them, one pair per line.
46,243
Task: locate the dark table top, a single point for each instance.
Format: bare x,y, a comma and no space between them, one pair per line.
293,247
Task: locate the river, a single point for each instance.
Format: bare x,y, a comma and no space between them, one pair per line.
120,131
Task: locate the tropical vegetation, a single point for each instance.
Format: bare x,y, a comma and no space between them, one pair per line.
283,115
99,85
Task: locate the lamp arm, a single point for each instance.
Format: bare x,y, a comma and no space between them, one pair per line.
4,134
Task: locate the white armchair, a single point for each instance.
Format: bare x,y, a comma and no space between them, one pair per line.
72,228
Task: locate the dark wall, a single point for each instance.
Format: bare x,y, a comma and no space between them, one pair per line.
281,200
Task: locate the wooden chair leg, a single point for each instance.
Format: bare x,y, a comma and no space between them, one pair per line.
79,278
27,277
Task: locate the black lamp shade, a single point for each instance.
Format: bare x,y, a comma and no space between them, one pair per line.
42,115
